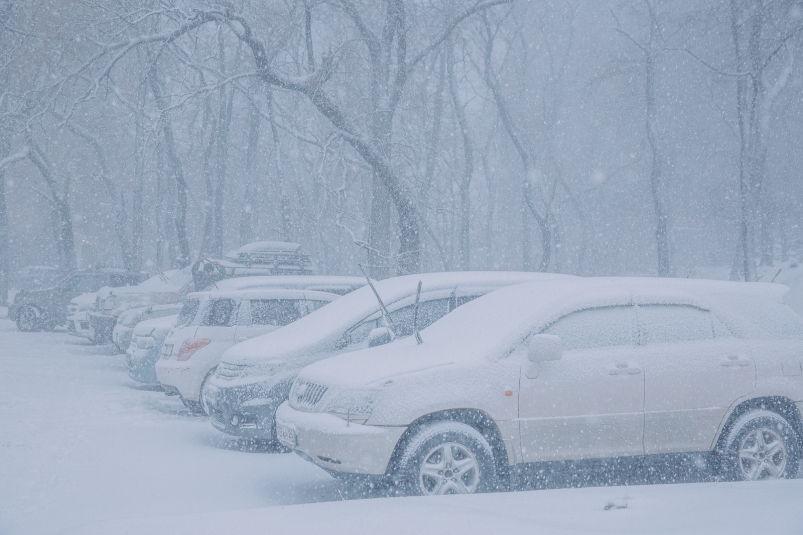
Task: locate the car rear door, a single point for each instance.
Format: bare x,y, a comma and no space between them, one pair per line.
590,403
695,369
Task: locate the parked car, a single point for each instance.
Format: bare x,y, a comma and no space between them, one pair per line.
582,369
165,288
78,316
254,377
123,331
191,353
148,338
44,309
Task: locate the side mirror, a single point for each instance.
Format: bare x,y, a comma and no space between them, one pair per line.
378,336
543,347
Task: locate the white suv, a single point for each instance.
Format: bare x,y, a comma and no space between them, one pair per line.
572,369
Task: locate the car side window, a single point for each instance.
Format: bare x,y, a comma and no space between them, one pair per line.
84,283
188,312
221,312
595,328
277,312
428,313
313,305
673,323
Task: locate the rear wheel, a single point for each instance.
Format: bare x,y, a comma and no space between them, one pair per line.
761,445
446,458
28,319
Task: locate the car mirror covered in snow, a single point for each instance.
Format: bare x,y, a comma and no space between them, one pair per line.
379,336
543,347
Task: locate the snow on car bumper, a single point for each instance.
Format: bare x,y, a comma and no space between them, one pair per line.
334,443
181,375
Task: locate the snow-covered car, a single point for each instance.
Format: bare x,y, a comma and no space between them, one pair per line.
582,369
146,343
47,308
165,288
254,377
124,329
191,352
78,316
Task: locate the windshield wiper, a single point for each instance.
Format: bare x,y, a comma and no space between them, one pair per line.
385,315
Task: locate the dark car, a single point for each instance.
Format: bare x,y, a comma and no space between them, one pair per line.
46,308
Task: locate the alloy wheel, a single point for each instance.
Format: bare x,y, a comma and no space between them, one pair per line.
762,455
449,468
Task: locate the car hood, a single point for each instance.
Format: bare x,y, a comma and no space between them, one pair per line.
376,366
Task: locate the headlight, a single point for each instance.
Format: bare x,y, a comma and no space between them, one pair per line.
108,303
352,405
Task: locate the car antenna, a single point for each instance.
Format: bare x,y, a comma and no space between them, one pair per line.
415,315
385,315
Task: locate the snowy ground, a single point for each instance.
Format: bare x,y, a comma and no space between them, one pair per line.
84,451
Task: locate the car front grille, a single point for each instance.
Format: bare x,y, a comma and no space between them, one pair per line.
229,372
305,395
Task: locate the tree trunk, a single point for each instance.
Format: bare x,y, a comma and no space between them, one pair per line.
468,170
176,171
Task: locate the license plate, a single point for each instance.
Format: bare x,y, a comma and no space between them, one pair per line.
286,435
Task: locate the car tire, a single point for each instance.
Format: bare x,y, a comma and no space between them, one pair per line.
201,399
446,458
760,445
28,319
195,406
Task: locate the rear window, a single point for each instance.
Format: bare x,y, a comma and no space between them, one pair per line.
773,319
188,312
673,323
277,312
220,313
595,328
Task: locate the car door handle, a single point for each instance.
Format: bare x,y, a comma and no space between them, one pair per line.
735,360
623,368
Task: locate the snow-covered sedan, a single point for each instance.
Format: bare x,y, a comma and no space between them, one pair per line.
582,369
254,377
191,353
128,320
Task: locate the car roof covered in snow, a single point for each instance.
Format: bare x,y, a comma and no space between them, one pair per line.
300,282
265,293
265,246
489,327
319,330
172,281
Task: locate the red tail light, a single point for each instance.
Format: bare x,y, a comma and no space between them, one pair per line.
189,347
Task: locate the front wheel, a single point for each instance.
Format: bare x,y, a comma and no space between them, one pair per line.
761,445
28,319
446,458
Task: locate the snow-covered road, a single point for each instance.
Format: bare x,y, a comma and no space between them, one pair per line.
84,451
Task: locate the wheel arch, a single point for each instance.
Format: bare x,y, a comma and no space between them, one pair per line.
778,404
475,418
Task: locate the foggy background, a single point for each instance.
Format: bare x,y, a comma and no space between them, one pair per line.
650,137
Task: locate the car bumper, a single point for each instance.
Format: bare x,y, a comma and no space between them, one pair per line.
182,375
337,445
246,410
141,364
